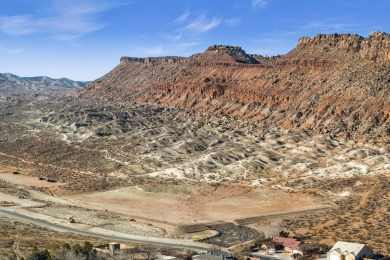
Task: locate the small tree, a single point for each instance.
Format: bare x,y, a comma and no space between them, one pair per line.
35,249
128,254
77,249
148,252
284,233
260,239
188,254
68,254
324,248
87,248
167,251
65,246
37,255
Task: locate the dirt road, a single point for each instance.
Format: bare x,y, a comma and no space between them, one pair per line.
108,235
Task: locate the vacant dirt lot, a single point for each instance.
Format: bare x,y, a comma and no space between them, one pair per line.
227,204
26,180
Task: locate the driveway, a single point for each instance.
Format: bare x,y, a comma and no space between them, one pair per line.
264,256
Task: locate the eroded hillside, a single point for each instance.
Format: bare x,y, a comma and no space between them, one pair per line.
330,84
219,147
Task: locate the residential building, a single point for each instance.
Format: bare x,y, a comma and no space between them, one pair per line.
290,245
349,251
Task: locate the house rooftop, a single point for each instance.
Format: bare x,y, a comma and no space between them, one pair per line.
287,242
214,255
347,248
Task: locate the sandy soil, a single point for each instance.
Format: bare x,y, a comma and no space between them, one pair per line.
227,204
20,202
22,179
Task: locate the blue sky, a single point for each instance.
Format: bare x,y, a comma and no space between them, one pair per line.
84,39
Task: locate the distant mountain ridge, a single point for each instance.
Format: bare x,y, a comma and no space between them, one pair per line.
13,83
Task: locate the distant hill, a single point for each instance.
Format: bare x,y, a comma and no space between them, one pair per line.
15,84
336,84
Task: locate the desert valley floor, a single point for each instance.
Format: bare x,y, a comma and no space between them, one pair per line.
160,171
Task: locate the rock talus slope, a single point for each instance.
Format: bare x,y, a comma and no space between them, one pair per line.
337,84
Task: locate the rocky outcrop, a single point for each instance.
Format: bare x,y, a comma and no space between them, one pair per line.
224,54
336,84
154,60
376,47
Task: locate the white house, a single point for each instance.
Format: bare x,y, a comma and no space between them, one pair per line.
349,251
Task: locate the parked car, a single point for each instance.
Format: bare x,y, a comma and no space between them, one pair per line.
271,251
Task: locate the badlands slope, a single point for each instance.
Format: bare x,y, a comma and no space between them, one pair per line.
330,84
219,142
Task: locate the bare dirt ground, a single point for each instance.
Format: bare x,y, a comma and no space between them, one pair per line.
19,202
25,180
155,170
227,204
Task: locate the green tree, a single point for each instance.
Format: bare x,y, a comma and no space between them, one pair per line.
284,233
35,249
37,255
47,254
65,246
87,248
77,249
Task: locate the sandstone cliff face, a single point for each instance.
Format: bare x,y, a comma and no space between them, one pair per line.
334,84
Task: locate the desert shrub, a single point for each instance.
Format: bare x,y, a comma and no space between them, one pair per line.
87,248
37,256
284,233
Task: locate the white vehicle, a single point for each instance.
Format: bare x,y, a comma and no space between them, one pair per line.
271,251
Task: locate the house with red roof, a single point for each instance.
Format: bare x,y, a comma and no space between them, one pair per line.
290,245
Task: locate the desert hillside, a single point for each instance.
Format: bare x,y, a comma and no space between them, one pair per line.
222,147
335,84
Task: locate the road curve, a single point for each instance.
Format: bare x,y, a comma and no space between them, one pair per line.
120,237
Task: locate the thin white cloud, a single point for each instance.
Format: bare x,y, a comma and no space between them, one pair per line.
203,24
177,37
267,40
68,20
259,3
316,27
184,45
10,50
17,25
232,21
324,26
180,48
173,36
153,51
182,18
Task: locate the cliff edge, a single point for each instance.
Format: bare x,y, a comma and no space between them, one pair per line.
336,84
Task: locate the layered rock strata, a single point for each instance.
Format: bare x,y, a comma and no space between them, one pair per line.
337,84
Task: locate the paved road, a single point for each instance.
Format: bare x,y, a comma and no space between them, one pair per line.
119,237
